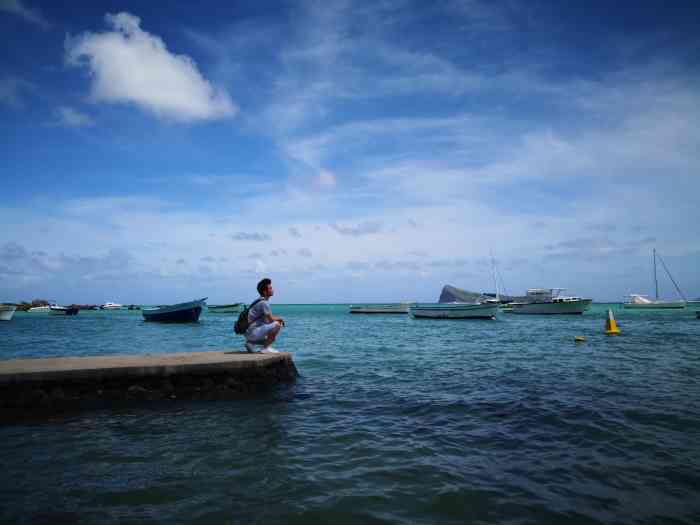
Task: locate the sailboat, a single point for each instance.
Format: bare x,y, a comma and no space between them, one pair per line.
641,302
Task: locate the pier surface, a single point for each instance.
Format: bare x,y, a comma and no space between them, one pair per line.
77,381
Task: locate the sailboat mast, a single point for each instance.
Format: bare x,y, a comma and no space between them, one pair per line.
495,282
656,282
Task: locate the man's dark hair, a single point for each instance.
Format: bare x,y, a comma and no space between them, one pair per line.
263,284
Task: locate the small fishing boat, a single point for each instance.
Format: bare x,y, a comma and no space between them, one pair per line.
548,301
641,302
175,313
7,311
55,309
393,308
454,311
233,308
111,306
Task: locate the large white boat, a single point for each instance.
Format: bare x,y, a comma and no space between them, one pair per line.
393,308
548,301
454,311
7,311
642,302
111,306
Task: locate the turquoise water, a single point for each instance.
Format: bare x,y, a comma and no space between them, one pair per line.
394,420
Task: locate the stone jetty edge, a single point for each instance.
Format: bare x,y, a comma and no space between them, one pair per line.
56,383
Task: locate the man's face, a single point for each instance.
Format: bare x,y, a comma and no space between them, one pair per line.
268,291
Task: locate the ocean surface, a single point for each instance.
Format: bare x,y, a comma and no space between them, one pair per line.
393,420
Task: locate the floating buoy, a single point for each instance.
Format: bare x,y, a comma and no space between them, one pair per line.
610,324
579,339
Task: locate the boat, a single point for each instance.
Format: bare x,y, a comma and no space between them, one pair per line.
55,309
111,306
175,313
642,302
40,309
7,311
454,310
233,308
549,301
392,308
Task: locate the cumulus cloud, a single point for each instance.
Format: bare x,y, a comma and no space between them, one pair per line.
325,179
72,118
363,228
128,64
30,14
250,236
294,232
304,252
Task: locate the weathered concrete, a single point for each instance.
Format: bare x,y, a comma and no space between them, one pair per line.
87,381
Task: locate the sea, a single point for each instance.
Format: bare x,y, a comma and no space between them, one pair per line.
393,420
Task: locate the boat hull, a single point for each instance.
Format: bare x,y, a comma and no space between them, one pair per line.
661,305
225,309
64,310
445,311
6,312
39,309
553,308
379,309
176,313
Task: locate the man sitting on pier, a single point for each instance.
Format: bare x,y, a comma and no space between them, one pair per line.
263,327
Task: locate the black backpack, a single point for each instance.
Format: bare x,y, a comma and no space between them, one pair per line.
241,325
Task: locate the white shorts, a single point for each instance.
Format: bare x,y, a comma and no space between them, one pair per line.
259,333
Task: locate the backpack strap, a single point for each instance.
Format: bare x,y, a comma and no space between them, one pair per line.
251,306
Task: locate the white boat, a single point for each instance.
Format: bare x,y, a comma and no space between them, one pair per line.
40,309
393,308
549,301
111,306
234,308
55,309
7,311
642,302
454,311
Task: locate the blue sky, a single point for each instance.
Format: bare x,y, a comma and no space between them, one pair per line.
351,151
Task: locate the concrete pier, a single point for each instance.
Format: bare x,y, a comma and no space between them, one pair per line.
52,383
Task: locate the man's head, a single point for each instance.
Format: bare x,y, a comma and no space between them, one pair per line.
265,288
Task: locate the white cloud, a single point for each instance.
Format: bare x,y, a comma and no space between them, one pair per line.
72,118
131,65
12,89
30,14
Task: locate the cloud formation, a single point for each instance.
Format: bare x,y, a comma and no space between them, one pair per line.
363,228
32,15
72,118
130,65
250,236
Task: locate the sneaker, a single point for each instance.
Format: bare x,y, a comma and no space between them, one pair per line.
269,350
249,347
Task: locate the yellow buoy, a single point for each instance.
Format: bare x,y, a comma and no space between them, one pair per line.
610,324
579,339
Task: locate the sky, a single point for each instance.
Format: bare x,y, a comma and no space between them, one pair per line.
349,151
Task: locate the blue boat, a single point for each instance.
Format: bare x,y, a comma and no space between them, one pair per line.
175,313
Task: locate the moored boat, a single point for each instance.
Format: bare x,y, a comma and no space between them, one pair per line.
175,313
7,311
40,309
393,308
642,302
111,306
55,309
454,310
548,301
233,308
